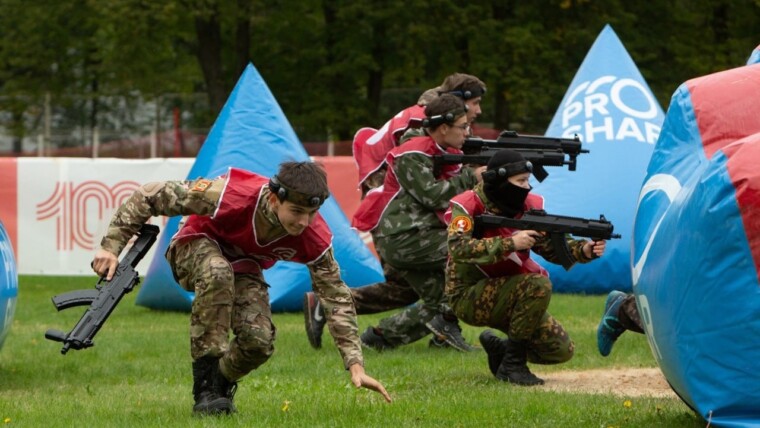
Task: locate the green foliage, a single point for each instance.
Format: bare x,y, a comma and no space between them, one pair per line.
336,66
144,46
138,374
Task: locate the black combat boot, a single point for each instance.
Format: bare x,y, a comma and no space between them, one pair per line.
225,388
207,399
514,365
494,347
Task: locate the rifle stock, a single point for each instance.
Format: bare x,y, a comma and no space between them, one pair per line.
103,299
556,226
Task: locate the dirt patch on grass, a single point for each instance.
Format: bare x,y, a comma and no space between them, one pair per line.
635,382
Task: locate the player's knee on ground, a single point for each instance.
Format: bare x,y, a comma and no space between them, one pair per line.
550,344
561,353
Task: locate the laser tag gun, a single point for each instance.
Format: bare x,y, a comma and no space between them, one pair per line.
556,226
541,151
103,298
538,157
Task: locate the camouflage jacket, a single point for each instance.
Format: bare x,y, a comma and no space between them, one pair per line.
411,133
201,197
468,254
423,197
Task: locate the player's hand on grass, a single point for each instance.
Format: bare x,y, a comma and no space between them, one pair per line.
360,379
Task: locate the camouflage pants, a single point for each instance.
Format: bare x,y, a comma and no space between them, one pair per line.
394,293
517,306
628,314
224,301
412,265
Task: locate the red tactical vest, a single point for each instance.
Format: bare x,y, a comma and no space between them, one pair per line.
233,229
370,146
518,262
371,209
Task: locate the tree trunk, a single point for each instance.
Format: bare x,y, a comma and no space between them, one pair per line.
209,50
374,91
375,77
243,35
719,23
333,82
502,111
17,125
94,107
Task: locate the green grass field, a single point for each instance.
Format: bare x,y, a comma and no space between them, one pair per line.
138,374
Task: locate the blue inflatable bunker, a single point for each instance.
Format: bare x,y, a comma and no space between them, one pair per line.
696,247
8,284
611,109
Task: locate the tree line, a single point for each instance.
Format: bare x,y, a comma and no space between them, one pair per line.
338,65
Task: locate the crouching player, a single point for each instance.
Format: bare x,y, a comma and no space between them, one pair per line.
492,281
239,225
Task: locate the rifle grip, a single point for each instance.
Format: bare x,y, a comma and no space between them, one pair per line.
540,172
562,251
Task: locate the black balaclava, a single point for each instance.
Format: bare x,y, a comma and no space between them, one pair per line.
507,197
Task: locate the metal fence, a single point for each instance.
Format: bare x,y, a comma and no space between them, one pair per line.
170,143
121,125
114,126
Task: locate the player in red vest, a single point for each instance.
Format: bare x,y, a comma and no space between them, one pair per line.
371,145
405,215
370,150
239,225
491,279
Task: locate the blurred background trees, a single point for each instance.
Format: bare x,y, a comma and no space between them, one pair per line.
70,67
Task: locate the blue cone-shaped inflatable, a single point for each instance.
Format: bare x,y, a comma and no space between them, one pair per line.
696,247
8,284
754,58
252,133
610,107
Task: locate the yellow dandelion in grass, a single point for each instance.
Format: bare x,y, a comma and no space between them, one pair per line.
627,404
285,405
7,420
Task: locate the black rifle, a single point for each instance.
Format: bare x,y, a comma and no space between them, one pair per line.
538,157
103,298
556,226
541,151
